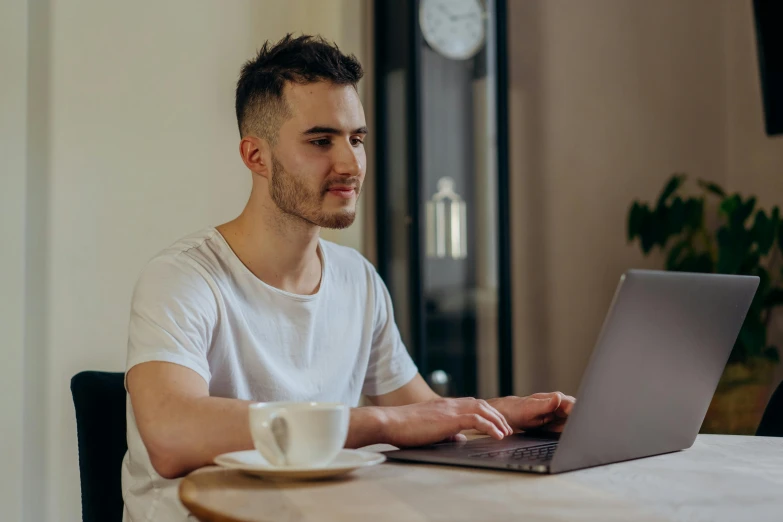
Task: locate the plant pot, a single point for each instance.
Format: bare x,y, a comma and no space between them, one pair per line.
739,400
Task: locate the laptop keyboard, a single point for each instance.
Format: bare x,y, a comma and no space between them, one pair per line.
530,454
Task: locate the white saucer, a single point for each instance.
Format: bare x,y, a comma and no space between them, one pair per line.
253,463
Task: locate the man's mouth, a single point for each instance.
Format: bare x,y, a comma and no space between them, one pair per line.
342,191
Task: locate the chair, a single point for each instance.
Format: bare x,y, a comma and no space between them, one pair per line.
99,399
772,422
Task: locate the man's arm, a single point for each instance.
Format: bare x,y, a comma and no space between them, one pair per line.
183,428
547,411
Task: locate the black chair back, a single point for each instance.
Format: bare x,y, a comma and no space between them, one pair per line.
99,399
772,422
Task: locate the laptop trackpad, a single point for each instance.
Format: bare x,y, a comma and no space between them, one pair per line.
519,440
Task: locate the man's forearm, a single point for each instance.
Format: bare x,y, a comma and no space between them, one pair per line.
368,426
197,430
190,433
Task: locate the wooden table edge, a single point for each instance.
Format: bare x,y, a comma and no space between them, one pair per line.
185,492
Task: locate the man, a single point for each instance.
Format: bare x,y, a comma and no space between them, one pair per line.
261,309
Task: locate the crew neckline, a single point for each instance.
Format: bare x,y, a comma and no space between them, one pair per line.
234,258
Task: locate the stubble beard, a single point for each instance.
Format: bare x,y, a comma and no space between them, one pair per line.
294,198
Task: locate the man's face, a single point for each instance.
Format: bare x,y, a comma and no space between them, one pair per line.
319,162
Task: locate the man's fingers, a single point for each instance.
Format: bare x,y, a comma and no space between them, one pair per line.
544,403
495,416
549,410
557,402
547,395
566,405
477,422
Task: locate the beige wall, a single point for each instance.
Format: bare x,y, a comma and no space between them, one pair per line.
134,146
607,99
754,161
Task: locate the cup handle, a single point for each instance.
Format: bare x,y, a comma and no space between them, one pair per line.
273,438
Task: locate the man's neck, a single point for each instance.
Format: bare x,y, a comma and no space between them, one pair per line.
280,250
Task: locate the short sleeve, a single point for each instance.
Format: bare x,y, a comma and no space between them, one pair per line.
390,366
173,315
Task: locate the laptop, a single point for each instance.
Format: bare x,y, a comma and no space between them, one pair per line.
646,389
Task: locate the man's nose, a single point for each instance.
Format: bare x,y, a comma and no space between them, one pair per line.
348,162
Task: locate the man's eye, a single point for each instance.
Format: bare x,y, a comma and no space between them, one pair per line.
357,141
321,143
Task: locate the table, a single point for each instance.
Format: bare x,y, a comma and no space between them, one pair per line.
721,477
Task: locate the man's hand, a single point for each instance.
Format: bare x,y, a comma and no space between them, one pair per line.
542,411
414,415
440,419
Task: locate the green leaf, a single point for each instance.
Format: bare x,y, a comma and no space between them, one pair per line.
714,188
671,187
739,353
761,222
694,213
754,336
729,205
659,226
763,232
733,247
763,290
699,263
673,261
750,264
737,211
745,212
773,298
704,264
647,234
676,216
635,220
780,235
776,226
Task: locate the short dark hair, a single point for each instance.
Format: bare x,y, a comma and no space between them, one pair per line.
304,59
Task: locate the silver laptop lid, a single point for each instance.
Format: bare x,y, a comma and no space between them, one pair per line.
655,367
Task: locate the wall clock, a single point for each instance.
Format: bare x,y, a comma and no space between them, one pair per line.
453,28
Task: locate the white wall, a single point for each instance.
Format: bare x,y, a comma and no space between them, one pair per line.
133,144
13,177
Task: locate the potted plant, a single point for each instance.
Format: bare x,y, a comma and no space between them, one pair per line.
720,233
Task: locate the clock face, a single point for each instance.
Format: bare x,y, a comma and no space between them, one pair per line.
454,28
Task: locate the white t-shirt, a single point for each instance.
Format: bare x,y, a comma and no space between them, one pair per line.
197,305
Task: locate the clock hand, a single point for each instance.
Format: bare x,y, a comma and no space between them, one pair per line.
447,12
454,18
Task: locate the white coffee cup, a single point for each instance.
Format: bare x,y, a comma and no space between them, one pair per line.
299,434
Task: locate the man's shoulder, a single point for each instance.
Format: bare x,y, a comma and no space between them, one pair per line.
191,245
190,257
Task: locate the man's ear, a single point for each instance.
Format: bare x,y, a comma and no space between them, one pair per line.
257,155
